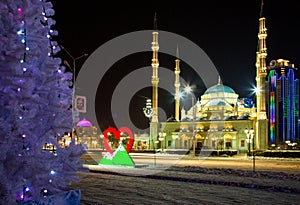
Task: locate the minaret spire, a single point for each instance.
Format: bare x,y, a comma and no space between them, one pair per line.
177,84
261,8
155,22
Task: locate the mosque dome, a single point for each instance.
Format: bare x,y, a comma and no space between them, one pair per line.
219,96
219,88
84,123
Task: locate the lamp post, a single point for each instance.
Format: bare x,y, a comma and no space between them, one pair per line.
73,69
155,145
250,139
188,90
175,137
161,138
101,140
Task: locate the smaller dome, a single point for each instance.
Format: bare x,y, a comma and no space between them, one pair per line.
84,123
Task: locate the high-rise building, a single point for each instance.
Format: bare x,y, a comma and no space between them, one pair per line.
282,104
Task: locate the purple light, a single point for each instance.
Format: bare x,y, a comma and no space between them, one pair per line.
84,123
19,12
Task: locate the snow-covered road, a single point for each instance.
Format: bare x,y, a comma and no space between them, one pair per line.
186,185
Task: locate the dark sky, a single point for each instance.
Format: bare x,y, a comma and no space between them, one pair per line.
225,30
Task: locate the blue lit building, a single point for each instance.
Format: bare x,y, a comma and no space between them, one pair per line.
282,104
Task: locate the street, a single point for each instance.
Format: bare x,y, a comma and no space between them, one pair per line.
286,165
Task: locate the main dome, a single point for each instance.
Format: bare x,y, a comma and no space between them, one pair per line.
219,88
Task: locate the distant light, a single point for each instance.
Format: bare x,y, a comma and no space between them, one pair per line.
188,89
257,90
179,95
20,32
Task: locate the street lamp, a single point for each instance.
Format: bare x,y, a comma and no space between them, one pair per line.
250,139
175,137
188,90
161,138
73,70
101,140
155,145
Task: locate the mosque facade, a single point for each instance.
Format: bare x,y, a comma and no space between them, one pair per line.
221,120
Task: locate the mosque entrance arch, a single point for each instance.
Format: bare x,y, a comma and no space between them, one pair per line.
227,141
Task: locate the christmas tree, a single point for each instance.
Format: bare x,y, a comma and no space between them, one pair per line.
35,105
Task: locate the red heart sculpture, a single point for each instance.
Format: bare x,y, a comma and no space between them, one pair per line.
117,136
131,137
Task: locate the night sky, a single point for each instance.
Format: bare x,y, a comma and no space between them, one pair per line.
225,30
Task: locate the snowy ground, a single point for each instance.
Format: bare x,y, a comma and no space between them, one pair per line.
186,185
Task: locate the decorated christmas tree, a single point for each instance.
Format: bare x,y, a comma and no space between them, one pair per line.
35,105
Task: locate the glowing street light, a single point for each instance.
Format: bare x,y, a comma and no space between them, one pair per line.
189,90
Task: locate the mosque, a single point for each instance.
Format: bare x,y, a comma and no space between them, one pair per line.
219,119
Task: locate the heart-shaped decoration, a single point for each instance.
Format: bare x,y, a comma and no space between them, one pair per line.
117,134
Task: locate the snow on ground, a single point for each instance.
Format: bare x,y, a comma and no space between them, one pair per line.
186,185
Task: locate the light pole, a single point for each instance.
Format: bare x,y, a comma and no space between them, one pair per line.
188,90
101,140
250,139
161,138
155,145
73,70
175,137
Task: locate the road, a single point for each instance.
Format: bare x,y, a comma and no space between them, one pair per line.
286,165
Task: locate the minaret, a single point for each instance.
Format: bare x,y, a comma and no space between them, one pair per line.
155,78
177,85
154,127
261,131
261,70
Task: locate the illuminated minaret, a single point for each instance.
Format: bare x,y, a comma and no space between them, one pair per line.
177,85
154,127
155,78
261,131
261,70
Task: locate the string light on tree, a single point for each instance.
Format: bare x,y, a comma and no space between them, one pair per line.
35,104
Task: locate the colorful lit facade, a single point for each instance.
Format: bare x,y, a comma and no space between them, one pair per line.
283,104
